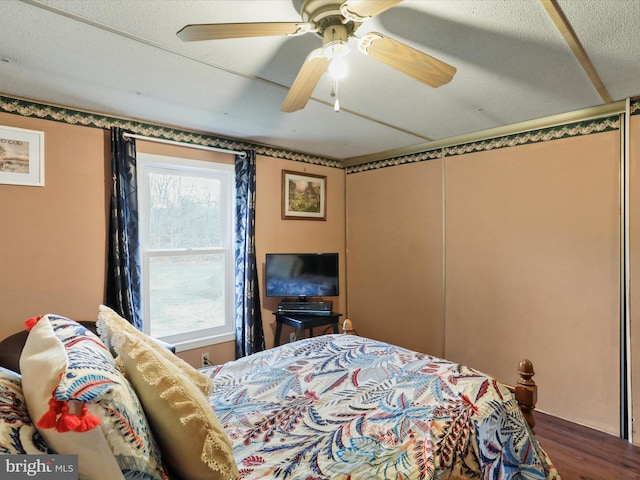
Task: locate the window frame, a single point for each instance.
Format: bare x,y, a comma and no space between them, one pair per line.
148,163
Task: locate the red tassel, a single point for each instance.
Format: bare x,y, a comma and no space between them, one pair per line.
31,322
68,421
59,417
49,419
87,420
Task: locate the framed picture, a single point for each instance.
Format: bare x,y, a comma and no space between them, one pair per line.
21,156
304,196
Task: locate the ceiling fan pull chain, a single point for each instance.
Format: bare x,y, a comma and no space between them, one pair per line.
334,93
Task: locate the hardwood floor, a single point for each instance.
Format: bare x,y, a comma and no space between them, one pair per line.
581,453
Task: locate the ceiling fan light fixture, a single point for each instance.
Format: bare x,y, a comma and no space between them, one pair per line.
336,48
338,68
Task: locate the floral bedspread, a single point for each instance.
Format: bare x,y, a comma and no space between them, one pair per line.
346,407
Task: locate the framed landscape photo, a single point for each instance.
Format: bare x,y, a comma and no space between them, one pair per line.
304,196
21,156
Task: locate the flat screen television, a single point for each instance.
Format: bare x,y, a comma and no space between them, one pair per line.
301,275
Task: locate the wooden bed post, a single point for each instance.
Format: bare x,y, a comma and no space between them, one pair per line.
347,327
526,391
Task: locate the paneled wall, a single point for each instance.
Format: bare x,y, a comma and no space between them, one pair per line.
456,256
486,258
395,255
53,238
532,260
275,235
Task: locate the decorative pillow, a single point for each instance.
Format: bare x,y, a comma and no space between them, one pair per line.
194,445
109,322
83,405
17,433
10,349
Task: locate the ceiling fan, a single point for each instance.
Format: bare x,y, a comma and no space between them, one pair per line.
336,23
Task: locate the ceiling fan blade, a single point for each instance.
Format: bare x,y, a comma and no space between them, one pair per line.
308,77
406,59
359,10
218,31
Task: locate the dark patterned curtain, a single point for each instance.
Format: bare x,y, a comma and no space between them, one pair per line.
123,270
249,334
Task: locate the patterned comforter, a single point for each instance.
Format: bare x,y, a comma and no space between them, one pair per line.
346,407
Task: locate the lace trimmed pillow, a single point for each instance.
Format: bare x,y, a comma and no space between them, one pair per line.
193,443
82,404
109,322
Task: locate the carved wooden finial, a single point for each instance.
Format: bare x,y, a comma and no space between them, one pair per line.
526,391
347,327
525,369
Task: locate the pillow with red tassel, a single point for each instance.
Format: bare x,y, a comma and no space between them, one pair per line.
82,404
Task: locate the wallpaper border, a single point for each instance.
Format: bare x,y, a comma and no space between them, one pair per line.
28,108
573,129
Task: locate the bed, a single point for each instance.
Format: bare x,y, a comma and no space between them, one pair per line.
347,407
331,407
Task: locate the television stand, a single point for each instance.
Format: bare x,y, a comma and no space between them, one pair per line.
303,321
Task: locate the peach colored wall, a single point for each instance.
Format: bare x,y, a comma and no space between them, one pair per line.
53,238
532,257
531,245
275,235
394,232
53,244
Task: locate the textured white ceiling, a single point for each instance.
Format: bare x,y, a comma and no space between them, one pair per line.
122,57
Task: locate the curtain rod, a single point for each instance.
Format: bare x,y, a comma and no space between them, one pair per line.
184,144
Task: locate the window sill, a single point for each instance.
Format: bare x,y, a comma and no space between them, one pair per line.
200,342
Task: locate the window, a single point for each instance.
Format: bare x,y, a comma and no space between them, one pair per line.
187,249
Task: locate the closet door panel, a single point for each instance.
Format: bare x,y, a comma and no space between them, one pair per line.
532,269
